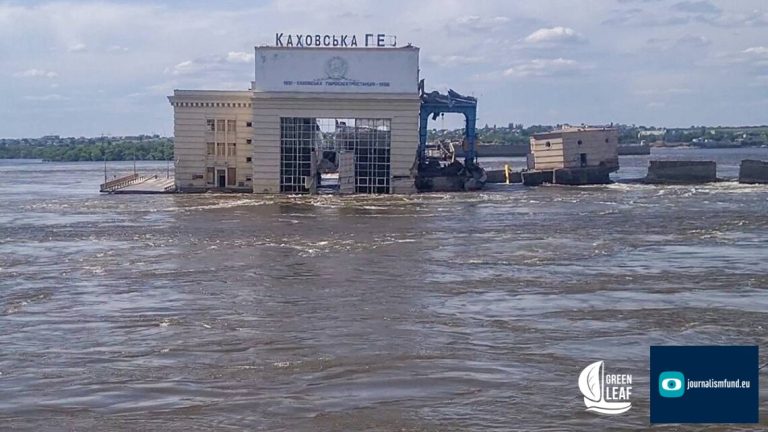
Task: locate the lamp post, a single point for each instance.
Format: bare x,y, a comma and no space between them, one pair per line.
104,151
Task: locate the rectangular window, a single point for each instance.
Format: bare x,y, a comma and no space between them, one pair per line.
248,159
231,149
210,148
209,173
248,178
220,125
211,125
248,124
220,149
249,141
231,177
230,125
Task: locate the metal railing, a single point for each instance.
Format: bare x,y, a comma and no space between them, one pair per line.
118,183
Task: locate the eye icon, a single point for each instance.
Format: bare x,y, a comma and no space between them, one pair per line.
671,384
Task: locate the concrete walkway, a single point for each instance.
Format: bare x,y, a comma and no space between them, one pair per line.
149,186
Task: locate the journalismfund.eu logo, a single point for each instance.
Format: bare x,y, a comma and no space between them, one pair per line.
704,384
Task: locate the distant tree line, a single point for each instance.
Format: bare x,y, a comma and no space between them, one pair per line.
87,149
628,134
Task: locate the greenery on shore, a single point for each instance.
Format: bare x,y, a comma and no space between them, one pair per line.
53,148
155,147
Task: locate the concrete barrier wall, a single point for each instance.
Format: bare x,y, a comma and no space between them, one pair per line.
681,172
582,176
536,178
498,176
753,171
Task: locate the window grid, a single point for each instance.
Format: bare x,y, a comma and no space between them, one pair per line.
372,156
295,153
369,139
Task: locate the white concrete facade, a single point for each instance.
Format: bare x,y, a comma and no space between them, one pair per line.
254,165
193,111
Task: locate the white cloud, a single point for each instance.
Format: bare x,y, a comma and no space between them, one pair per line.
455,60
661,91
185,67
474,19
554,35
46,98
36,73
240,57
478,23
692,41
117,48
535,68
757,50
77,47
696,7
544,67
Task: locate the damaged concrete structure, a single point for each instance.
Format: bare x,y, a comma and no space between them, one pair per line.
681,172
573,156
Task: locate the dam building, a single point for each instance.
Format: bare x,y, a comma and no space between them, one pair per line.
312,116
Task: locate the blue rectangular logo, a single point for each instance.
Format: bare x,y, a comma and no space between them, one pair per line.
704,384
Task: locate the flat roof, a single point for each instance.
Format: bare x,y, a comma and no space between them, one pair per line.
329,48
561,132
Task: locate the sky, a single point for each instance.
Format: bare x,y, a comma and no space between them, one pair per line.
83,68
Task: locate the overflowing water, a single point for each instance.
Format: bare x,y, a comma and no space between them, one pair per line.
432,312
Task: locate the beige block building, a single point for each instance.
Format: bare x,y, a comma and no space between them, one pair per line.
575,148
305,104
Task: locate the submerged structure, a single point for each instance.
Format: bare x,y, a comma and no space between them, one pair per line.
573,156
346,120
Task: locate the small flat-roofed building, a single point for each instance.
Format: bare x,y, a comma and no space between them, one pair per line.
576,148
575,155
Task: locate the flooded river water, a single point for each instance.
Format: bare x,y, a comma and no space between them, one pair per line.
432,312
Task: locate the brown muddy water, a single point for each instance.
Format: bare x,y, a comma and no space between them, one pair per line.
434,312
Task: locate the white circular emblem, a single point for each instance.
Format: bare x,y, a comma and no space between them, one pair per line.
336,68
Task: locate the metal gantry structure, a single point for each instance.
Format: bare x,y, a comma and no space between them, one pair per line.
434,104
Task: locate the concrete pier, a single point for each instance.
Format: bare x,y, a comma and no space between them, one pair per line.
681,172
753,171
136,184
